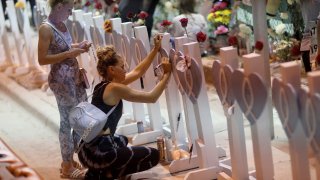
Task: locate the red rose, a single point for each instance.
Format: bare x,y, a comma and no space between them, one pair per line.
233,41
130,15
184,22
87,3
258,46
295,50
201,37
98,6
166,23
115,9
143,15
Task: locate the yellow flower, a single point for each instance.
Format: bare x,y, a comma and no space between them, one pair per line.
222,20
226,12
20,4
210,17
107,26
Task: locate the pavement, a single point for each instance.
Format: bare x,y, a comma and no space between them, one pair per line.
44,110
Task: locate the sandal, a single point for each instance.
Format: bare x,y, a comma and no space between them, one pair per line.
75,174
76,165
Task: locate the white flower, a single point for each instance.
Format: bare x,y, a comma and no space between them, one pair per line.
284,15
140,22
290,2
280,28
245,30
271,33
168,6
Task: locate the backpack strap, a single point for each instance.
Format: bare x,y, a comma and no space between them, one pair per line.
60,34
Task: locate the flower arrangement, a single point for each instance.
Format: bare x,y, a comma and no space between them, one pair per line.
166,9
220,16
107,26
280,29
286,49
165,24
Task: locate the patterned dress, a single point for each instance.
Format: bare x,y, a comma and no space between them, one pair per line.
108,156
65,83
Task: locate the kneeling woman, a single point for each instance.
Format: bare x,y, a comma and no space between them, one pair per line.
108,155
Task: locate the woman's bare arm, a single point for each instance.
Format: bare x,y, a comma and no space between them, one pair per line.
45,38
142,67
116,91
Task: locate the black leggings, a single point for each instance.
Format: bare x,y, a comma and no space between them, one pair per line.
109,157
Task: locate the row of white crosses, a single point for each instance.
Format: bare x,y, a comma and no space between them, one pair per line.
243,90
199,122
7,61
15,63
298,111
251,97
20,61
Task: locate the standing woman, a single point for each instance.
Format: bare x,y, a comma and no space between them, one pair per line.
55,48
108,156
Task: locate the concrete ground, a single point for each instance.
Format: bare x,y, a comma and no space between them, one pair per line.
30,120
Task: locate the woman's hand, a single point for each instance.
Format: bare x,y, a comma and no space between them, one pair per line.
166,65
85,45
74,52
157,41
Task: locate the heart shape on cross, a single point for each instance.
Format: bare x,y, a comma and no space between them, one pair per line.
173,55
310,119
190,78
222,82
162,53
250,92
284,98
138,50
109,38
125,51
77,31
96,37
